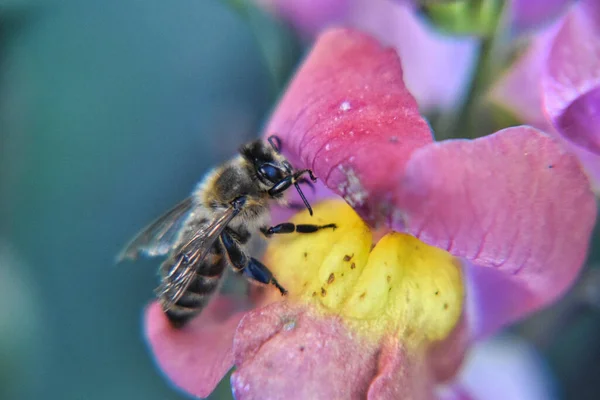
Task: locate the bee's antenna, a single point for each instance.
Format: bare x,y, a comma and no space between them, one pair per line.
308,183
275,142
310,211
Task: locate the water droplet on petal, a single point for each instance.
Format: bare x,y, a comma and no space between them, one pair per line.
288,326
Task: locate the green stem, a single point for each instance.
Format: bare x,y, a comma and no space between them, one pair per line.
464,126
466,122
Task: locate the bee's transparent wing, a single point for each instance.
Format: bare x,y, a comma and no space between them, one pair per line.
184,261
159,237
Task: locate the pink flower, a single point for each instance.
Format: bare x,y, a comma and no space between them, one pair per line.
555,85
484,232
437,67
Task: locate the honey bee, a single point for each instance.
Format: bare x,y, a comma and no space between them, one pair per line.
211,228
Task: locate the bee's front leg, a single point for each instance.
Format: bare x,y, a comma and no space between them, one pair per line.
289,227
250,267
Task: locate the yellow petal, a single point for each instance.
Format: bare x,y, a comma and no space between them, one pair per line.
401,285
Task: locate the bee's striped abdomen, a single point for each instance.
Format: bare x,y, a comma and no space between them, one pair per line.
200,291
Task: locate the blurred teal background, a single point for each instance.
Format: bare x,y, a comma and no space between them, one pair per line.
110,111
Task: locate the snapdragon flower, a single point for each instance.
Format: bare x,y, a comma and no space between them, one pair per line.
437,245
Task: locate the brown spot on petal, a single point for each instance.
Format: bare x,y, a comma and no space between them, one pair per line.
305,255
352,266
445,306
437,292
348,258
314,294
389,279
323,292
331,278
362,296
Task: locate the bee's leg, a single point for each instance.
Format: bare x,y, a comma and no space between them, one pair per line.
289,227
248,266
257,271
307,182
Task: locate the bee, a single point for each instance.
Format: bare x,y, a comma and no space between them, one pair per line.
211,228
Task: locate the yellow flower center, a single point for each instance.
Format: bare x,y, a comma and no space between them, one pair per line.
400,285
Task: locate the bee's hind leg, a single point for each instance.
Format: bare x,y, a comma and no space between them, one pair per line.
250,267
257,271
289,227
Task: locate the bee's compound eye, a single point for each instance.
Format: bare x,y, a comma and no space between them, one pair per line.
270,172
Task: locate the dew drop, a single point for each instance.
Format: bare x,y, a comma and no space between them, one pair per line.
345,106
288,326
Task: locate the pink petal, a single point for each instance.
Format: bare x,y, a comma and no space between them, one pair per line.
573,66
589,161
519,90
446,357
516,204
527,14
287,352
349,117
579,127
400,376
196,357
580,121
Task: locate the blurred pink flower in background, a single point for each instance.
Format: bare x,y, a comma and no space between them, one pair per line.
555,84
514,208
437,66
437,77
312,16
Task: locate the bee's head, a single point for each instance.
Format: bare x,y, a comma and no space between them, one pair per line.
269,165
273,171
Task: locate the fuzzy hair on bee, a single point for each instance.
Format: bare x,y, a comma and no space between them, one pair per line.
210,230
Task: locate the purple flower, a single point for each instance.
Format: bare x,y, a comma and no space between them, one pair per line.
438,244
528,14
555,85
